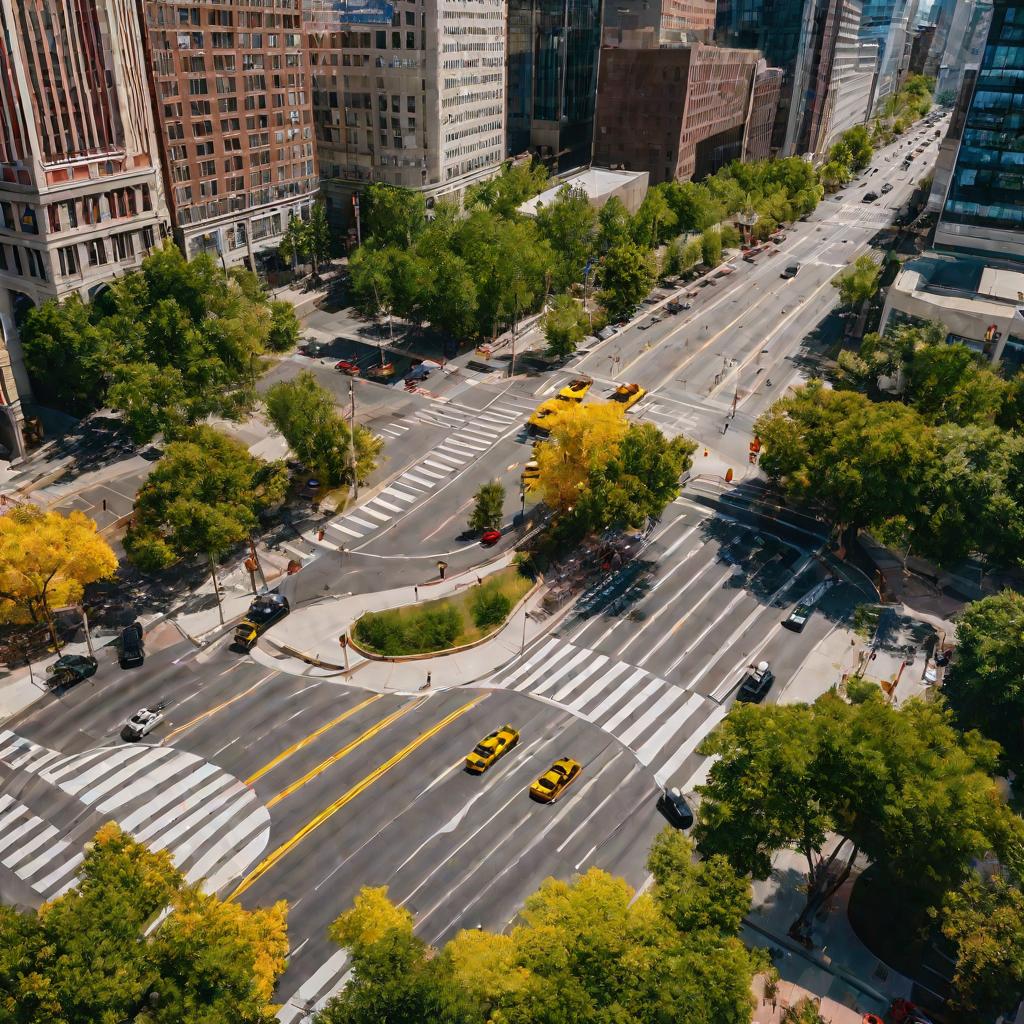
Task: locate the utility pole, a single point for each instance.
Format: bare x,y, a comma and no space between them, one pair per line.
352,439
216,586
88,638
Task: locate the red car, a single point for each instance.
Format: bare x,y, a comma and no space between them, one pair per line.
346,366
489,537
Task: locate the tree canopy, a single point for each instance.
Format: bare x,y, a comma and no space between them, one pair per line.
488,506
204,496
859,282
565,325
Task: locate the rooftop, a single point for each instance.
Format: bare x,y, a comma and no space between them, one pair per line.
962,282
599,184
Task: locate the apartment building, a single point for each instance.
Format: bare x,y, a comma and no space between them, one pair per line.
410,93
81,198
233,101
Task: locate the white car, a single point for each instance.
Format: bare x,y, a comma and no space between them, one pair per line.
143,722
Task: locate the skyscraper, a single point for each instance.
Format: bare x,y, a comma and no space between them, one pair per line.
80,193
890,24
553,48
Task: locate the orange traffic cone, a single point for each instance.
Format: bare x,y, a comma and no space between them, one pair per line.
728,475
705,453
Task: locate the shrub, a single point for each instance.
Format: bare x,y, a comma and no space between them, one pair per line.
490,606
392,633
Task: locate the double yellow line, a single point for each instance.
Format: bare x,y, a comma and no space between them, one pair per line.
314,823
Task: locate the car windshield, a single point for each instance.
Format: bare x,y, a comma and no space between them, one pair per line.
481,750
261,612
545,783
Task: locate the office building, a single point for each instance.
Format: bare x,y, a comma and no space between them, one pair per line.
764,103
890,24
81,198
233,103
673,22
676,112
965,43
409,94
920,49
553,48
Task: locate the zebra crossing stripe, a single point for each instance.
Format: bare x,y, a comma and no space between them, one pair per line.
27,849
387,505
616,695
360,522
438,465
555,676
367,510
676,760
647,751
672,695
345,529
638,698
581,677
595,688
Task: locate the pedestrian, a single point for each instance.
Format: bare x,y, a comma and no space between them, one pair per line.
426,685
726,427
416,592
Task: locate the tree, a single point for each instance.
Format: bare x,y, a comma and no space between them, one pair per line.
693,205
488,507
655,221
615,225
985,923
903,788
570,226
373,280
985,684
304,411
507,191
318,235
204,496
858,143
806,1011
859,282
948,384
46,560
711,247
295,242
393,216
565,326
284,327
91,954
627,274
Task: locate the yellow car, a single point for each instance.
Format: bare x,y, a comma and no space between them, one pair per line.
542,413
490,748
531,473
576,390
628,395
550,785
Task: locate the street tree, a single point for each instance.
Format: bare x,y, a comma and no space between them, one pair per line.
902,787
204,496
94,955
805,1011
565,325
506,192
655,221
693,205
569,224
614,225
488,506
450,302
305,414
393,215
985,684
949,384
859,282
46,561
294,243
318,235
284,327
627,275
858,142
985,922
372,275
711,247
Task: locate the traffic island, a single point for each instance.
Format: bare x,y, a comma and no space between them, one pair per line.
446,625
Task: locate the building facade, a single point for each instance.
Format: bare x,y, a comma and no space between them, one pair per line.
553,52
409,94
233,102
81,198
764,102
676,112
983,210
890,24
965,43
673,22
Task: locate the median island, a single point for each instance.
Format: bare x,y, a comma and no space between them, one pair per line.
448,623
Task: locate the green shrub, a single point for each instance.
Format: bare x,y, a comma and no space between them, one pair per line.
435,629
391,633
490,606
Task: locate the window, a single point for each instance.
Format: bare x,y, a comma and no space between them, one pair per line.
198,87
381,40
35,264
7,217
68,257
3,258
124,246
97,252
410,104
148,239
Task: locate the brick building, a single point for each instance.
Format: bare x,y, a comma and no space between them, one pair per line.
80,193
233,102
672,21
764,103
679,112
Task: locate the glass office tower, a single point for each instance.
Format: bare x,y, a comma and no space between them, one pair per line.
983,213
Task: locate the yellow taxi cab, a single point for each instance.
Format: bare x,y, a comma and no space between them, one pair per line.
553,782
538,422
576,390
531,473
490,748
627,395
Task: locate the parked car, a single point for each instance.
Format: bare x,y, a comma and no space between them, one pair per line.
756,684
262,614
887,187
347,366
869,197
791,271
673,805
130,652
490,537
70,669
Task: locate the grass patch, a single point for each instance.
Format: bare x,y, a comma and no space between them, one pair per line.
447,622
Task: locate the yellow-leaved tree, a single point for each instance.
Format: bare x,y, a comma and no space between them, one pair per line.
46,561
582,438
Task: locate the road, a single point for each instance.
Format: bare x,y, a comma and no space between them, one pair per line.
270,785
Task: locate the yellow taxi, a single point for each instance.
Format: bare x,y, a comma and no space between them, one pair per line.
553,782
627,395
531,473
576,390
490,748
538,422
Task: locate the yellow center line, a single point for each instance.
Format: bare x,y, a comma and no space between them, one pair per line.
212,711
345,751
288,751
289,844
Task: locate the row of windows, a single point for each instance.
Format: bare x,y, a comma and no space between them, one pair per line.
252,200
98,252
68,214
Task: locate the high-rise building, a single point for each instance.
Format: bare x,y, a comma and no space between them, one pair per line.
553,48
921,48
80,193
890,24
677,112
983,211
232,94
964,44
409,94
673,22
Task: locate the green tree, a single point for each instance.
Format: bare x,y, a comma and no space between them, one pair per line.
903,788
284,327
985,923
614,225
490,606
627,274
948,384
204,496
304,411
565,325
570,226
858,142
859,282
507,191
450,303
711,247
985,684
318,235
655,221
806,1011
694,206
488,506
373,280
393,216
295,242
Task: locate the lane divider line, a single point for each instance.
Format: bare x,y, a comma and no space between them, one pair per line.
214,710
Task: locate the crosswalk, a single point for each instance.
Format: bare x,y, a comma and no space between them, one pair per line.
467,439
661,722
212,824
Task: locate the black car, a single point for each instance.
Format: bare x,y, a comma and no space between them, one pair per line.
70,669
673,805
869,197
797,618
130,652
262,614
757,684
